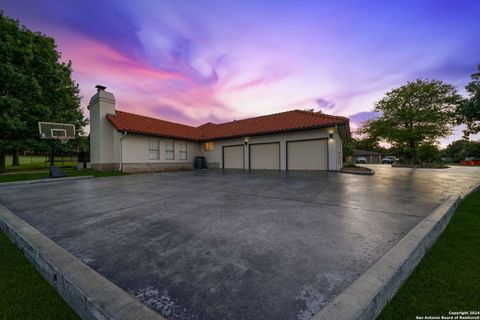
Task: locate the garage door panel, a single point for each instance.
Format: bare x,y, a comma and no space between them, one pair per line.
307,155
233,157
265,156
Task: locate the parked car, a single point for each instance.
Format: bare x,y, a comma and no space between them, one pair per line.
360,159
390,159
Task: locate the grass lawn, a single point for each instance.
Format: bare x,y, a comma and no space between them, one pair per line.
42,175
24,294
448,277
38,162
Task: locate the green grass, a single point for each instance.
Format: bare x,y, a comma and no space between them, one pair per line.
448,277
24,294
42,175
37,162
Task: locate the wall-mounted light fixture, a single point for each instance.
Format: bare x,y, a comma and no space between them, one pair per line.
331,135
246,140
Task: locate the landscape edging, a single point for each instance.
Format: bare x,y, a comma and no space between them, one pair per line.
366,297
92,296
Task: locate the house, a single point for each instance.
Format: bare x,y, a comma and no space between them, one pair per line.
369,156
292,140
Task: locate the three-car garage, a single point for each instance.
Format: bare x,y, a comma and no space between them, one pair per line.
311,154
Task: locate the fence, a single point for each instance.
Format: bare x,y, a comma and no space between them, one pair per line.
41,160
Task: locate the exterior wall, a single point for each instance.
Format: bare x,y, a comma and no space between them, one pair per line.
104,166
135,155
214,157
376,159
339,147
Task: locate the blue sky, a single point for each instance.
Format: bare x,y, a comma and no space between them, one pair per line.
200,61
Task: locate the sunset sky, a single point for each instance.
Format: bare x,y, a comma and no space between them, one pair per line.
200,61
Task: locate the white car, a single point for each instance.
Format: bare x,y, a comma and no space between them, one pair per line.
390,159
360,160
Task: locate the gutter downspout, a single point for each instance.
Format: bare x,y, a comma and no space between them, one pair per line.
337,152
121,150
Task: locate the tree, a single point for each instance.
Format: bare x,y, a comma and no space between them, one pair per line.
455,150
417,113
34,86
469,111
367,143
471,149
428,153
347,148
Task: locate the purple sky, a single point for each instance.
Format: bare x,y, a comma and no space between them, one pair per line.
200,61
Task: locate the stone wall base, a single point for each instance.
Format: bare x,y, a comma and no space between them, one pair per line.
213,165
105,166
154,167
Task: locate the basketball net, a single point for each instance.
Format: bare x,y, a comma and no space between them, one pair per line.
63,140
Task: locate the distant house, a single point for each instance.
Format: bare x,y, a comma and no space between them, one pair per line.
368,156
292,140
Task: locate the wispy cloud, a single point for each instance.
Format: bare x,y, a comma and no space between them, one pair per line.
214,61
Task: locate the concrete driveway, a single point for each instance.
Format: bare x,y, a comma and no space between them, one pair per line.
234,245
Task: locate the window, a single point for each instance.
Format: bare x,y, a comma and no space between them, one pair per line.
208,146
182,150
169,150
153,150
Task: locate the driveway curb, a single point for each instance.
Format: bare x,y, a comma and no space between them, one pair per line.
46,180
91,295
361,173
366,297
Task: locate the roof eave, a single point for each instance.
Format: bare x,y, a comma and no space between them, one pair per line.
278,132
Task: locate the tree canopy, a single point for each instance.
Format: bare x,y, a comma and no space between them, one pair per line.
416,113
469,111
35,85
461,149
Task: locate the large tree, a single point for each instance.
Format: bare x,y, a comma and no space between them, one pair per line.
35,85
419,112
469,111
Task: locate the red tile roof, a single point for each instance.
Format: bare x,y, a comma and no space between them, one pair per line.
134,123
274,123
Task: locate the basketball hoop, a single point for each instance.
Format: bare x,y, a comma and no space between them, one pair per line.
54,132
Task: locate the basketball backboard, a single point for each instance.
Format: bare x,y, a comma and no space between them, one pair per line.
56,131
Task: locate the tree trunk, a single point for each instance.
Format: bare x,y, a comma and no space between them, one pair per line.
413,150
16,158
2,161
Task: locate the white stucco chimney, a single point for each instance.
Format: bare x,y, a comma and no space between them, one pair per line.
102,153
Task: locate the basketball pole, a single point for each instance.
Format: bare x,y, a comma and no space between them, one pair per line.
52,157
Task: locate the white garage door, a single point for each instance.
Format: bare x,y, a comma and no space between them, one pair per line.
233,157
265,156
307,155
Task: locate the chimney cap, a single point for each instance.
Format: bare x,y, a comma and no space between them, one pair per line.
100,88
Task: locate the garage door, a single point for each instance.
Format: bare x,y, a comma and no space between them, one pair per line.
233,157
265,156
307,155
